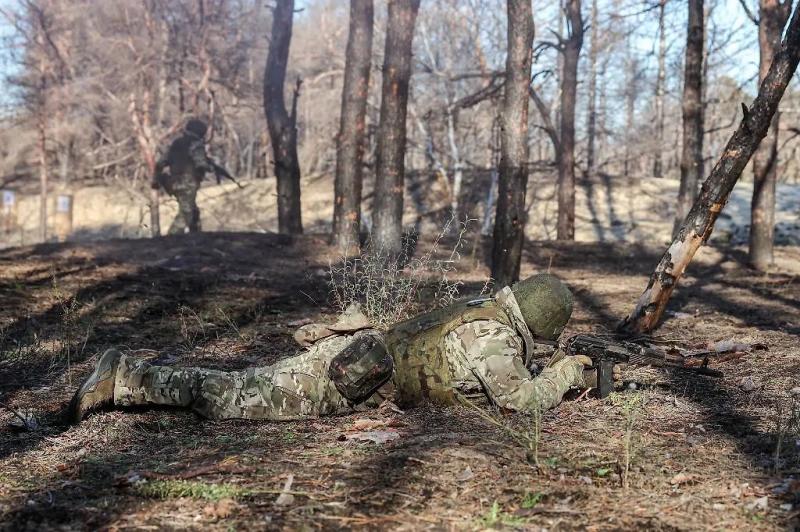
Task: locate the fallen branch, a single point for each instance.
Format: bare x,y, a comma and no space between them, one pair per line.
699,223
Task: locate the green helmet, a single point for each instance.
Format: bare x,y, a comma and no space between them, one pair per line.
546,304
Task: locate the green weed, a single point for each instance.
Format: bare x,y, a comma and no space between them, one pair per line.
495,516
531,499
173,489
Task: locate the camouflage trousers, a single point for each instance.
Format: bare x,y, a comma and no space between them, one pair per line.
188,215
294,388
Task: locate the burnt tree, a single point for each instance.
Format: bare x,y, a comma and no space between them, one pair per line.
565,227
715,191
352,124
391,136
692,152
282,123
509,225
772,18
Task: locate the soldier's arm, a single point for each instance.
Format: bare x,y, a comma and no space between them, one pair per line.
200,160
494,354
161,164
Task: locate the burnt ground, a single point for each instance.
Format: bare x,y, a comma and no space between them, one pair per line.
701,452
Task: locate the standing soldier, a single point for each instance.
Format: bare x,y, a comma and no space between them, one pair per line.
473,345
188,164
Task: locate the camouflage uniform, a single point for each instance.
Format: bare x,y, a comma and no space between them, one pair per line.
481,355
188,164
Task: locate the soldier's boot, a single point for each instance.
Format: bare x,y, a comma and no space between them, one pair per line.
98,388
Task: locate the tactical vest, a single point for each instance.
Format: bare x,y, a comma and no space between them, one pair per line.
422,372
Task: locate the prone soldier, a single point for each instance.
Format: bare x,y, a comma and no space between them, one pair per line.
188,164
470,346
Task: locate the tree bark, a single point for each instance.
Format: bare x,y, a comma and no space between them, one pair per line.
772,18
509,225
658,152
714,193
565,227
391,135
281,123
352,127
43,175
592,103
692,154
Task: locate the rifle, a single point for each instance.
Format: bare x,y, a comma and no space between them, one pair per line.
607,353
220,172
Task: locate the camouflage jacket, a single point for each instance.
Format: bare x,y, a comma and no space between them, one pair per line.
187,161
484,356
489,356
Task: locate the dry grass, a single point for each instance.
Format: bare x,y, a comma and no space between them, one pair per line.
702,453
392,288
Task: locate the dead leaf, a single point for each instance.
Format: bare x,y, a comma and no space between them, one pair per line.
286,498
726,346
375,436
747,384
759,505
220,510
465,475
682,478
366,424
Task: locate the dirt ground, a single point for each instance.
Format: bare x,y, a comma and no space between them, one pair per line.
700,451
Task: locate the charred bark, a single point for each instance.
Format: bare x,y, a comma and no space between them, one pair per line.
565,227
391,135
714,193
772,18
352,126
509,225
692,154
281,123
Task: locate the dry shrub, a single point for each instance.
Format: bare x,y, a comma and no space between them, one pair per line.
393,288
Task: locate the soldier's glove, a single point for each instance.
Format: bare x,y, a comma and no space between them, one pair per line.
361,368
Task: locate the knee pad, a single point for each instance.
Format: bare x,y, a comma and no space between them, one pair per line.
361,368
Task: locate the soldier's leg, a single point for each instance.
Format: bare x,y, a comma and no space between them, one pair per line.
183,218
194,211
297,387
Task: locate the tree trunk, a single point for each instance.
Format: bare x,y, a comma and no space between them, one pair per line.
391,136
352,127
658,152
772,16
717,188
509,225
692,154
43,176
631,94
283,125
592,111
565,227
155,215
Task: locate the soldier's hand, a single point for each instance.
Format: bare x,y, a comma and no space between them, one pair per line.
583,359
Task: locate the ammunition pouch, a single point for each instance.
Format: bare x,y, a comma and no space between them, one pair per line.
361,368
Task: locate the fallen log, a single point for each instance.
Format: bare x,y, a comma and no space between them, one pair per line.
699,223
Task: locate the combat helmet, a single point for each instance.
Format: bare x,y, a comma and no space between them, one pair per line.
196,127
546,304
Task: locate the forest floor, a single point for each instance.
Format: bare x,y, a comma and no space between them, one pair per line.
700,452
